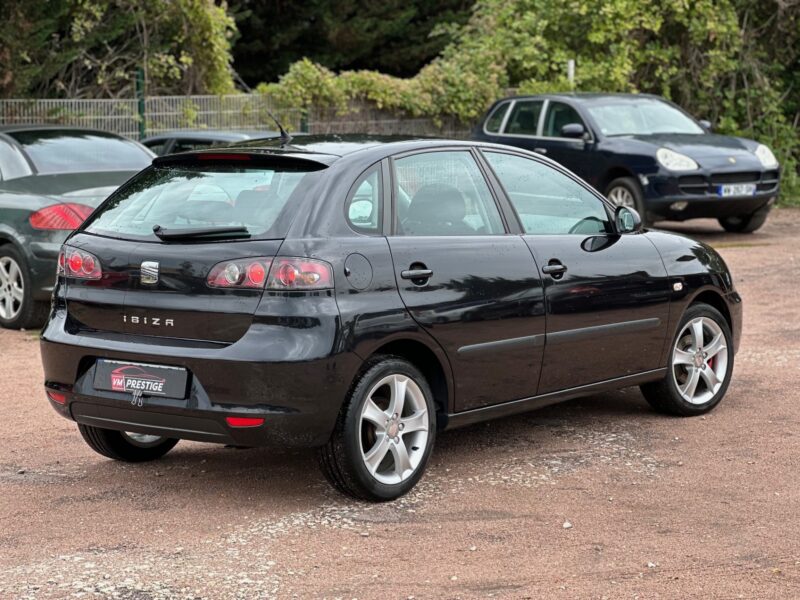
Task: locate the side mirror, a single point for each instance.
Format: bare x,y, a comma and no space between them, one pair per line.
627,220
706,124
573,130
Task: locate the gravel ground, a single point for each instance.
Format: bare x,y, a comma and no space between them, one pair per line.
595,498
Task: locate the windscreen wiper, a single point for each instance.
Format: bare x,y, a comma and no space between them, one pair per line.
234,231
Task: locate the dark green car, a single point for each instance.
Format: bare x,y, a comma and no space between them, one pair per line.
51,179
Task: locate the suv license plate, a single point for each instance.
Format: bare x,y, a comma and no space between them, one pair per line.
140,379
736,189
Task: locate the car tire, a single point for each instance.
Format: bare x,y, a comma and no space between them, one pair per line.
745,223
18,310
710,368
626,191
376,453
125,446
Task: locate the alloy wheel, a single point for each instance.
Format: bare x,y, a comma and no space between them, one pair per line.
143,440
621,196
12,288
700,360
394,429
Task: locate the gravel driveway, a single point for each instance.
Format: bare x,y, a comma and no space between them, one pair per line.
594,498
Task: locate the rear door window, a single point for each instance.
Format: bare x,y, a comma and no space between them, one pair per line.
443,193
524,117
178,197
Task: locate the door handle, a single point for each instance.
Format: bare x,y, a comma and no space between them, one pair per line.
540,150
413,274
555,268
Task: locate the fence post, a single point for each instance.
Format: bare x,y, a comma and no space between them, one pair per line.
304,121
140,103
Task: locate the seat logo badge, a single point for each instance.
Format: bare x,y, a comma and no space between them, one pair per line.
149,272
731,160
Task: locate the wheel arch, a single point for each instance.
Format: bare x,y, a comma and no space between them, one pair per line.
616,172
714,299
436,371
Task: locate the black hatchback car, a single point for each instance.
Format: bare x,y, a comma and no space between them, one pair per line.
358,294
643,152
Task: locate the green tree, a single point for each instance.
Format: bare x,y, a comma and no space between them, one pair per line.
92,48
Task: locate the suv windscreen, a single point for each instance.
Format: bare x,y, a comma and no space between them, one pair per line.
186,197
64,151
645,116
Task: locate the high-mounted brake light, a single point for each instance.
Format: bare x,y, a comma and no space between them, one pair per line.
79,264
245,273
65,217
300,274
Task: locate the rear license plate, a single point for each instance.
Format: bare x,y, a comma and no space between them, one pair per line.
736,189
140,379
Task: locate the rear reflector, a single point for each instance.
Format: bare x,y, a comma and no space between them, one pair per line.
244,421
57,397
65,217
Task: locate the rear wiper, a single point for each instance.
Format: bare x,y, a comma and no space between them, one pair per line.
234,231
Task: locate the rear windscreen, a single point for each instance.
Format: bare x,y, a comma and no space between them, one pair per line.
67,151
189,197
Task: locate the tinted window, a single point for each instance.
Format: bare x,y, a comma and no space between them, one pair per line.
558,115
547,201
183,197
365,203
158,146
443,193
59,151
524,118
496,118
189,145
12,162
644,116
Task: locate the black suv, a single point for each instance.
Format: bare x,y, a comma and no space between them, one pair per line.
356,295
644,152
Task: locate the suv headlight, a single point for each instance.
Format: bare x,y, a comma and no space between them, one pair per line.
766,156
675,161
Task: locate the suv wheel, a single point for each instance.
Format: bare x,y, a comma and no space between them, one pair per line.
384,435
17,308
124,445
625,191
700,367
745,223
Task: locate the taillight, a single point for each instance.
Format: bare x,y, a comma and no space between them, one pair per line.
284,274
78,264
60,216
244,273
300,274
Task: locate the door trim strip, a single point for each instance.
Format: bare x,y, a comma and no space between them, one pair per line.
528,341
584,333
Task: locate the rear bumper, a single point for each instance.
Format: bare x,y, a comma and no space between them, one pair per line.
298,395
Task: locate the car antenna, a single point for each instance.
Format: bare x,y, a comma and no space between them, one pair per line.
285,137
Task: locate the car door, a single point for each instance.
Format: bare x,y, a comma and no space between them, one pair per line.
464,279
572,153
521,125
607,295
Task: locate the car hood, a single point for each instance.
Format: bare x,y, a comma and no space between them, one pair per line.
709,150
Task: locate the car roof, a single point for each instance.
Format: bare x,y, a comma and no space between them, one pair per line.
221,135
587,97
49,127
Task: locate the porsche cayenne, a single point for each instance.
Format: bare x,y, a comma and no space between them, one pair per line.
358,295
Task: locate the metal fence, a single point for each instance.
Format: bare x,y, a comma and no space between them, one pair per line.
133,118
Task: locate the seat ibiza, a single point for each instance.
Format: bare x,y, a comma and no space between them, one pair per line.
358,295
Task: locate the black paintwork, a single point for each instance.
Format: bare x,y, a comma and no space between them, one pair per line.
599,159
493,333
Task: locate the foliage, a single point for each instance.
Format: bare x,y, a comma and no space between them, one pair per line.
734,62
93,48
390,36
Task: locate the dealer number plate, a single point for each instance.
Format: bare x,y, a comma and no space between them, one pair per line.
140,379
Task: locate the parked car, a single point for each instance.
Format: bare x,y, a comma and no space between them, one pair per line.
51,178
643,152
357,294
170,142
